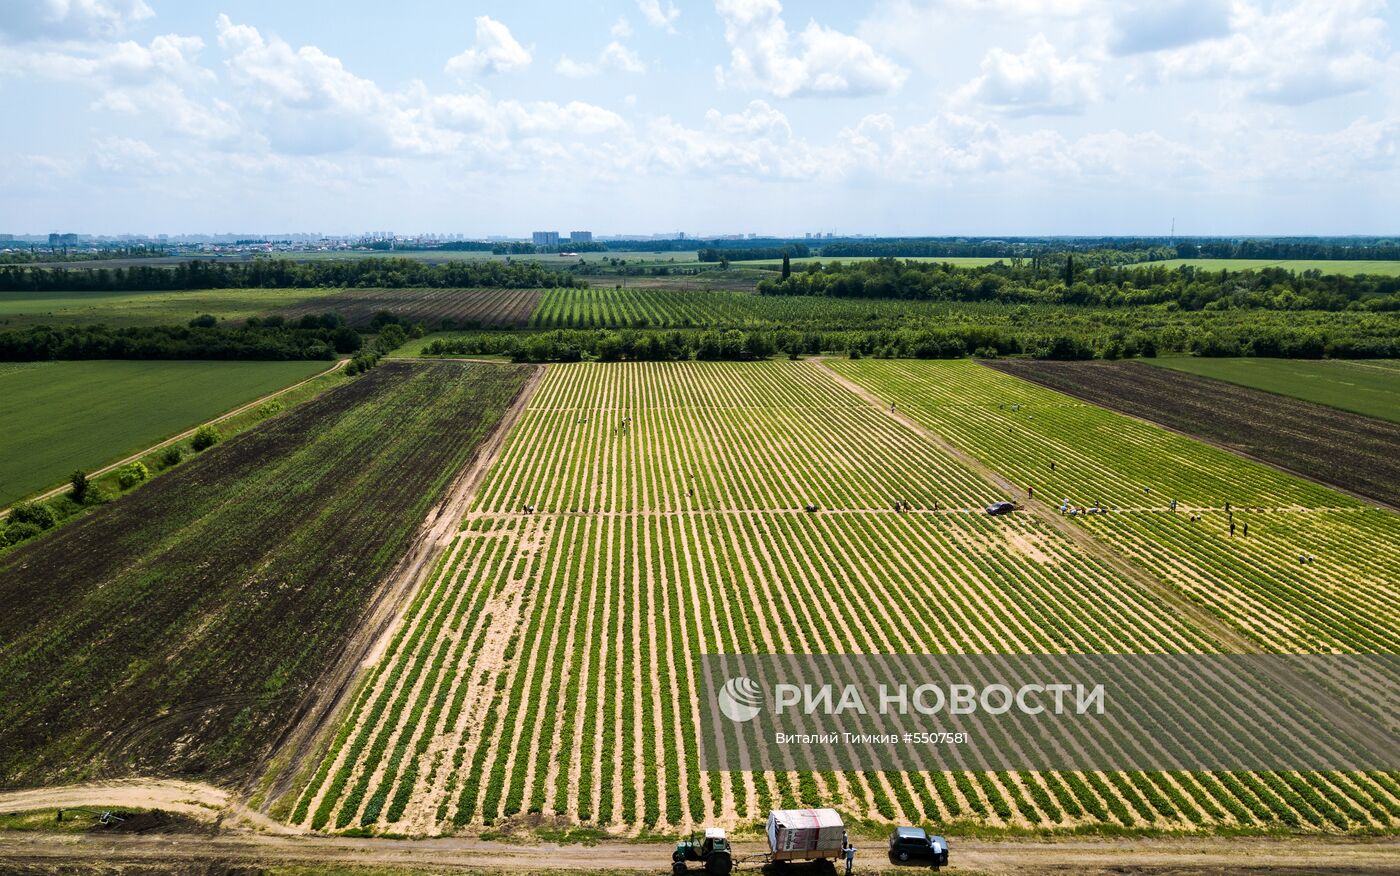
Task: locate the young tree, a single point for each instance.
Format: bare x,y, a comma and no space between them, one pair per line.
79,480
787,267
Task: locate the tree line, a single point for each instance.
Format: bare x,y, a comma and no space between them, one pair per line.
274,341
1368,248
752,253
1187,287
1266,338
285,273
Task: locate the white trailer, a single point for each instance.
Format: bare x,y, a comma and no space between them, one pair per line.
805,835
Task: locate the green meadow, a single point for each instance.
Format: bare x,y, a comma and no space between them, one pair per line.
61,416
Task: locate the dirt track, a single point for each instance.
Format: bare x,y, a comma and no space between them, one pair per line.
1091,856
1190,855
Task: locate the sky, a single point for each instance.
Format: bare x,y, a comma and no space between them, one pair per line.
893,117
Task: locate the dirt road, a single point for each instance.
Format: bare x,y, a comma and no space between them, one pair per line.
1086,856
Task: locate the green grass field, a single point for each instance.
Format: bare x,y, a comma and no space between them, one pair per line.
61,416
1370,388
22,309
1326,266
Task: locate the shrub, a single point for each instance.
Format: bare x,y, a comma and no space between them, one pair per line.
346,340
129,476
269,408
18,532
204,438
41,516
204,320
171,456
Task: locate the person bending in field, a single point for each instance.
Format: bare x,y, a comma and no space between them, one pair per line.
1232,529
1246,530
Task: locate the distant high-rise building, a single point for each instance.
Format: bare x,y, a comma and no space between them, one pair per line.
581,236
63,240
545,238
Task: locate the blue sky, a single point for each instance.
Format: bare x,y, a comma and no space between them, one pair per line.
640,116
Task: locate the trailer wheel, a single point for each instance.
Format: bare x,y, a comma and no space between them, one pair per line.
719,865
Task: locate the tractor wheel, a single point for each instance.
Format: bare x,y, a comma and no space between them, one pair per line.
719,865
678,868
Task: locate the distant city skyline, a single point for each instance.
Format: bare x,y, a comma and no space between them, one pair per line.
887,118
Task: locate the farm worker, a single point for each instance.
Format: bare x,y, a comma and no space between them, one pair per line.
1232,529
1173,505
1030,492
1227,508
850,858
1052,465
1246,530
1064,506
891,407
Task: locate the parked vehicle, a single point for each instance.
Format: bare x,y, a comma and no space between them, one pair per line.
914,844
805,835
998,508
713,852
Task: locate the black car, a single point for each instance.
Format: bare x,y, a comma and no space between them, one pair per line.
1000,508
908,844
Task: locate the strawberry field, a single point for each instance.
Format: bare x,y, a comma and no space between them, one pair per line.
641,515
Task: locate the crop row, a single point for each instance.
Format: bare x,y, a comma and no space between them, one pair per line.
435,308
698,436
1099,457
1314,571
620,750
550,669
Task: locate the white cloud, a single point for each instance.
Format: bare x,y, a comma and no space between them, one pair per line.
154,81
1035,82
1294,53
658,17
621,29
70,19
495,51
828,62
307,102
614,56
757,142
